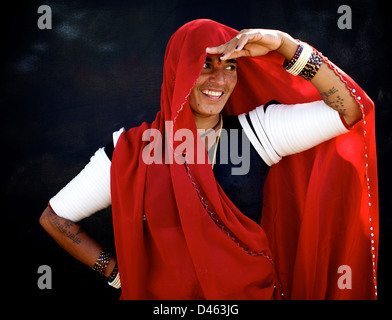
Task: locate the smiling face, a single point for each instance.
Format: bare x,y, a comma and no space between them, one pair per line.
213,88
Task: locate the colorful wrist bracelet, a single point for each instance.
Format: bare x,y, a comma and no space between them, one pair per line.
311,68
113,274
102,262
294,59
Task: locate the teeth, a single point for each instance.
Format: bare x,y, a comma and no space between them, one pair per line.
212,93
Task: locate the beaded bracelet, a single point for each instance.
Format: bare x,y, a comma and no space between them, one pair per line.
311,68
113,274
294,59
102,262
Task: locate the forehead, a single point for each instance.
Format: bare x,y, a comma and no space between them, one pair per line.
215,58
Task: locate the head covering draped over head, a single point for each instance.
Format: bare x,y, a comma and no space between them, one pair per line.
177,234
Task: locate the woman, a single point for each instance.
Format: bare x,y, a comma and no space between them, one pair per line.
186,229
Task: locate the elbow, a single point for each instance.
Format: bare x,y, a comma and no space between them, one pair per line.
45,220
351,114
352,118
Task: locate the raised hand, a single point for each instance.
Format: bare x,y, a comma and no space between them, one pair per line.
249,42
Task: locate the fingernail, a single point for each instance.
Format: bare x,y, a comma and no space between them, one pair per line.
223,54
236,47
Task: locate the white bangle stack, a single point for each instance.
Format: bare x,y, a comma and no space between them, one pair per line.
302,60
116,283
89,191
282,130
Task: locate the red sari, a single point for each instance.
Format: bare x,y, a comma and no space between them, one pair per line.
177,234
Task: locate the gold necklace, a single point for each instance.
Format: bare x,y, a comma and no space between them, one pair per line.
217,141
211,129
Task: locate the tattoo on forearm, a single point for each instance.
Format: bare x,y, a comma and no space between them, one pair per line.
65,228
333,99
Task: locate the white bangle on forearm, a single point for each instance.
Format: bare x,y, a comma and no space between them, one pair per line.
87,193
282,130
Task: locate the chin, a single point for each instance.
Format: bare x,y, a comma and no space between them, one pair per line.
213,110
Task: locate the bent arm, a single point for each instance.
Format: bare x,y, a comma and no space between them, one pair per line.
74,239
258,42
87,193
331,88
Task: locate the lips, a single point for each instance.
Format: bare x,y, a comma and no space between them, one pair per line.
213,94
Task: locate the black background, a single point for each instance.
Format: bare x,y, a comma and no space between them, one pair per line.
65,90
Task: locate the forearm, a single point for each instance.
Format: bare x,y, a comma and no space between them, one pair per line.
331,88
74,239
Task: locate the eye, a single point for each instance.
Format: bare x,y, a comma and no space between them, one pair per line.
231,67
206,65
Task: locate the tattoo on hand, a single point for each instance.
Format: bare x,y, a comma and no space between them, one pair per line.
65,229
333,99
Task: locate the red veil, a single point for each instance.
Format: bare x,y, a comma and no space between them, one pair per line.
177,234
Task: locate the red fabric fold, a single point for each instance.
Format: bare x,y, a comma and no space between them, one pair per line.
177,234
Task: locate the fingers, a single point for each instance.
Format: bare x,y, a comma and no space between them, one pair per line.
242,41
231,49
216,50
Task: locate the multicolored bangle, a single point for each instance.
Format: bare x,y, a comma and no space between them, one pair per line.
294,59
311,68
102,262
305,62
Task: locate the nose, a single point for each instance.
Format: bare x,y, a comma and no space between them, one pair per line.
218,76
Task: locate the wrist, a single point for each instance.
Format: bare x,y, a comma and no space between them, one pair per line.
288,46
109,269
105,264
